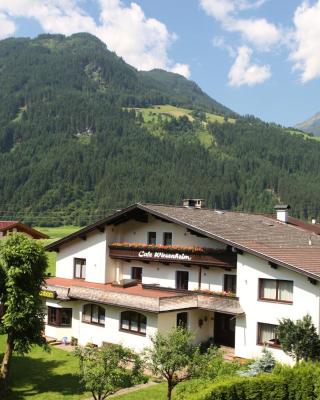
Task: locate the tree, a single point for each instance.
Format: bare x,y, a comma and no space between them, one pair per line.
105,370
171,356
299,339
23,263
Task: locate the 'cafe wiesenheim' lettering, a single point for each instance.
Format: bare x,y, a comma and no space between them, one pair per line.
159,254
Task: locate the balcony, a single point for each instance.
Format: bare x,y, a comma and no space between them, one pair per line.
173,254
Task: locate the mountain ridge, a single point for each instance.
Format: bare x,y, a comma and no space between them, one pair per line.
310,125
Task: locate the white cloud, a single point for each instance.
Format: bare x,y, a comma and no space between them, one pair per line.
243,72
219,42
7,27
306,52
258,31
142,42
182,69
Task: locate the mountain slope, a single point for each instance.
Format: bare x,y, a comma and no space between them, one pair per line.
311,125
83,133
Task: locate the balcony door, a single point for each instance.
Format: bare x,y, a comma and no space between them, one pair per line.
224,329
182,280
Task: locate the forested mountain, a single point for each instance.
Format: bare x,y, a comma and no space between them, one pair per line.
311,125
83,133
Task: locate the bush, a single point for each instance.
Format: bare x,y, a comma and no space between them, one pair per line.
264,364
211,365
263,387
302,380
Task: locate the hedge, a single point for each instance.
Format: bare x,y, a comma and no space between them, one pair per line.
263,387
301,382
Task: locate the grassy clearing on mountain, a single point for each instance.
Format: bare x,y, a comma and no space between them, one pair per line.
302,134
151,114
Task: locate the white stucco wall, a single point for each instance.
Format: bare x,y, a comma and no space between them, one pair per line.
166,321
165,275
133,231
305,301
93,249
89,333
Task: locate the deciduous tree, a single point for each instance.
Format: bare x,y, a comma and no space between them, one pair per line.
22,268
105,370
299,339
171,356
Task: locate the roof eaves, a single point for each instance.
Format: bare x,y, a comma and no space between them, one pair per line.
104,221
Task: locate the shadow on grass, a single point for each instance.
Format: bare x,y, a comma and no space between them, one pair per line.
33,376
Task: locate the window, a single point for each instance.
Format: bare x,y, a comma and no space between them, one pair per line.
136,273
134,322
182,279
167,238
276,290
79,271
93,314
182,319
152,238
230,283
267,334
59,316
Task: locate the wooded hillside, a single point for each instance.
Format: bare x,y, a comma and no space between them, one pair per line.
77,140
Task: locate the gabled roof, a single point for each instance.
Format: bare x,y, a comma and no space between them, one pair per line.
6,225
289,245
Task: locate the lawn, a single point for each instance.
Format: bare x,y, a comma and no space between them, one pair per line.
55,233
157,392
53,376
44,376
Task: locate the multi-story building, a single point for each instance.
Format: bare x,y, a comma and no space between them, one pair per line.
229,276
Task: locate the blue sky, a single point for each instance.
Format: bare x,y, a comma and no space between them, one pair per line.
259,57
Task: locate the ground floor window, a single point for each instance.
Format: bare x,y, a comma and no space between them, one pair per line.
182,319
59,316
133,322
268,334
93,314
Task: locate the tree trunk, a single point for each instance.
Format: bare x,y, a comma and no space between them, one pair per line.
5,367
170,387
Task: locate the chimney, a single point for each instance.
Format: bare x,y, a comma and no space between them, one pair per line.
282,211
193,203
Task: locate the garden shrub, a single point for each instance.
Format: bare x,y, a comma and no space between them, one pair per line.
302,380
263,387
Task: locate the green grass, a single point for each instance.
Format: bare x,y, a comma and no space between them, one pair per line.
44,376
304,135
53,376
151,114
55,233
156,392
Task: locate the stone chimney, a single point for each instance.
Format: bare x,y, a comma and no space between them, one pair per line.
193,203
282,211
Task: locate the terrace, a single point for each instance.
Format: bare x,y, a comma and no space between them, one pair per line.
140,297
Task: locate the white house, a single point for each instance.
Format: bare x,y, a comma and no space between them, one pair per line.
225,275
